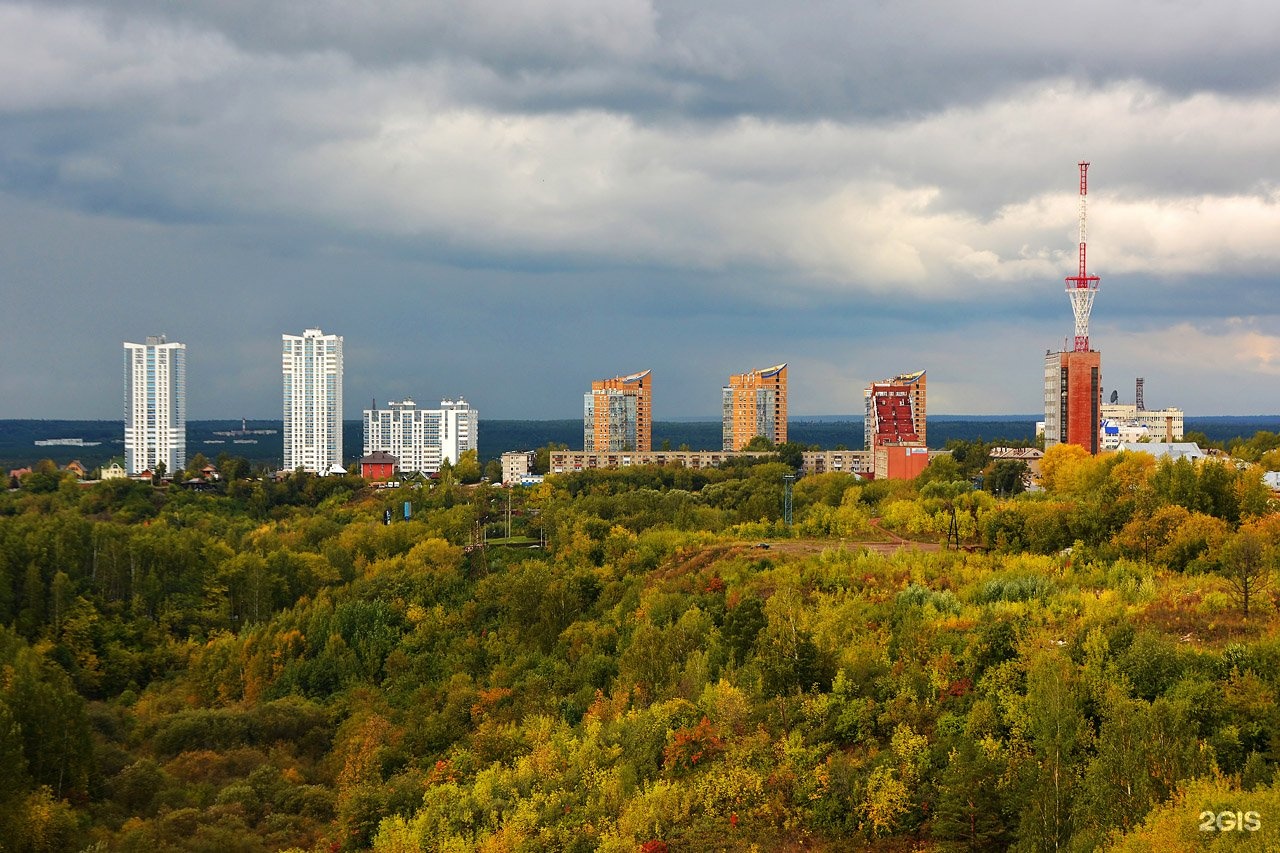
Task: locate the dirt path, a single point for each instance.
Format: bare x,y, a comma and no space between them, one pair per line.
894,544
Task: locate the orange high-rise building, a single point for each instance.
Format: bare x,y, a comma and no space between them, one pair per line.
755,403
618,414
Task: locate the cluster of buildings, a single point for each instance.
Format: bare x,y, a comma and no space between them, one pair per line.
402,438
618,412
1073,409
421,440
418,440
1134,423
617,428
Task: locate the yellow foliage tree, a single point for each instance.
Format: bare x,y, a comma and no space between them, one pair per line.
887,799
1207,814
1065,468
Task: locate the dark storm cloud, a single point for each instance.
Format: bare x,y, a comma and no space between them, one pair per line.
729,57
506,199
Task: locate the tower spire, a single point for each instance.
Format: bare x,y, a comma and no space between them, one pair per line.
1082,287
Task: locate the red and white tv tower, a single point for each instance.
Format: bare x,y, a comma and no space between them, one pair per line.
1073,377
1082,287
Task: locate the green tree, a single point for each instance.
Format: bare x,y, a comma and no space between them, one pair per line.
1117,789
788,658
61,596
1005,477
971,806
195,466
467,468
13,766
1058,733
742,624
31,617
49,714
43,479
542,456
791,454
1247,561
970,457
943,469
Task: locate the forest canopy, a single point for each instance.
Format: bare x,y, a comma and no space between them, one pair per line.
613,661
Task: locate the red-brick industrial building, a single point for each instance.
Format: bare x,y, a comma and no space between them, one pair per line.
1072,398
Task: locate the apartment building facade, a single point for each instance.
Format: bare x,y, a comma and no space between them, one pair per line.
617,414
155,405
422,439
896,424
312,371
754,403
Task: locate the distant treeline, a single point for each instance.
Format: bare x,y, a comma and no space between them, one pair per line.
17,437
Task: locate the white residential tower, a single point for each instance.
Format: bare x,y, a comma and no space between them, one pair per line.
312,365
155,405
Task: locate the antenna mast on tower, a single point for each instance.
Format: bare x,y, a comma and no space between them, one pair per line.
1082,287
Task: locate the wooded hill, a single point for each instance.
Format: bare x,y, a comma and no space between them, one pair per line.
271,667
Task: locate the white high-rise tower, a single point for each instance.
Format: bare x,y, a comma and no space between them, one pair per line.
312,365
155,405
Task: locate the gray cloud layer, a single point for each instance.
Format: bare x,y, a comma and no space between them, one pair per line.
506,199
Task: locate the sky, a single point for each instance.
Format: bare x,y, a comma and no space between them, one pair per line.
505,200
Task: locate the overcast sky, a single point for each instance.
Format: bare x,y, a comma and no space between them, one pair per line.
505,199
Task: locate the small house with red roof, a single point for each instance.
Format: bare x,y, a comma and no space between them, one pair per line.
379,467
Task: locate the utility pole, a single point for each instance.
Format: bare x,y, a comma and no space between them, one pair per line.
788,480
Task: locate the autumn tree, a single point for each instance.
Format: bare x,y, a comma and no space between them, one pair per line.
1063,469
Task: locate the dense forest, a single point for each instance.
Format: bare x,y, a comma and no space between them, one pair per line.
646,659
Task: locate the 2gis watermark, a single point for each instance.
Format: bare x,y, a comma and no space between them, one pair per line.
1230,821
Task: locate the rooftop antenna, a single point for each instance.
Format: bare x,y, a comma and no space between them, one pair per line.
1138,402
1082,287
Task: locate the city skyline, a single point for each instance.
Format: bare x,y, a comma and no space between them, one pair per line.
509,196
